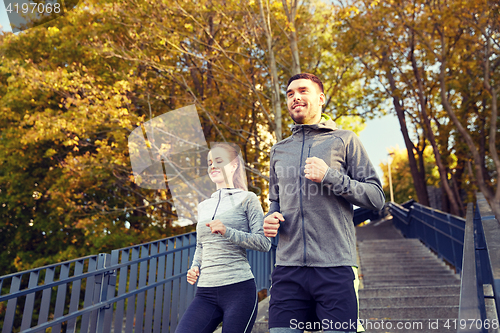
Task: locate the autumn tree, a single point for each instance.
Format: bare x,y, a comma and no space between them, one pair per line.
403,185
65,175
421,53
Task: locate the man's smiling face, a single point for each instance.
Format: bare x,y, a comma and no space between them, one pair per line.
304,100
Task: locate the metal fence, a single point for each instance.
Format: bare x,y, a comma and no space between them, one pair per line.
442,232
471,245
363,214
140,288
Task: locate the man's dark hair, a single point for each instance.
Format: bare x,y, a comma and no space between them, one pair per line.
307,76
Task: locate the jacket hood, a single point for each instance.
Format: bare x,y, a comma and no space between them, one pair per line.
326,124
224,192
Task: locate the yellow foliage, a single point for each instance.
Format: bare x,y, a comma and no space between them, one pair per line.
354,9
53,31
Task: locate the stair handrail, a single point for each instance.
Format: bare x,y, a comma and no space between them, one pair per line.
471,309
487,255
104,278
60,300
441,232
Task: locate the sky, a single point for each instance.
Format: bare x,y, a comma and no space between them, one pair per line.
4,19
379,134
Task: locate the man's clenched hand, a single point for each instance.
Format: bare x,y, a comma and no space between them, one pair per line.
315,169
272,224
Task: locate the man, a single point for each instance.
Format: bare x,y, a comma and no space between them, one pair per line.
316,175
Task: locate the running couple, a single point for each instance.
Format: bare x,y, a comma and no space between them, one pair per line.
316,175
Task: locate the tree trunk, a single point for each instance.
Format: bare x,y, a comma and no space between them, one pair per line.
291,13
430,134
275,100
418,178
494,199
482,138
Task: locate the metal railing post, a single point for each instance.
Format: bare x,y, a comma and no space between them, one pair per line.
104,280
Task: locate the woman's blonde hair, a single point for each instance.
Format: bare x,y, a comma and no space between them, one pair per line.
239,176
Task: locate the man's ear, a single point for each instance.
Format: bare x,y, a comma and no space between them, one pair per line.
322,99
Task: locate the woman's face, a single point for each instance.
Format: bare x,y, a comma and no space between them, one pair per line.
220,168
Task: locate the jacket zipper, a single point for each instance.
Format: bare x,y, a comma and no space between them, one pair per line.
220,192
300,190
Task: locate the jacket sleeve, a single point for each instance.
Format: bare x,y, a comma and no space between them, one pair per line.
359,184
198,253
255,239
273,188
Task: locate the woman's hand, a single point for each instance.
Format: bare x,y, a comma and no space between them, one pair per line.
217,227
192,275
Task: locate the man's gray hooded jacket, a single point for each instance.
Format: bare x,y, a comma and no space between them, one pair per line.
318,229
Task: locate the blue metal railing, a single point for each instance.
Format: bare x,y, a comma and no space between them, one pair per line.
363,214
145,284
442,232
481,267
471,245
137,288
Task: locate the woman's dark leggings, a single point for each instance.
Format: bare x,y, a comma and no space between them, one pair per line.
234,305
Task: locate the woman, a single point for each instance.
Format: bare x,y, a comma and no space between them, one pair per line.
229,222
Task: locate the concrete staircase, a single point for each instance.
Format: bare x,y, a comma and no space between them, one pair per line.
404,287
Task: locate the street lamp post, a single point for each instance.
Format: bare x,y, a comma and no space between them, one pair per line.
390,177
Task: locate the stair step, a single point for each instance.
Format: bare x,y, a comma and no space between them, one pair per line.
409,276
260,326
393,241
395,256
393,270
409,282
396,249
405,301
367,292
417,249
405,260
402,264
405,265
402,246
411,312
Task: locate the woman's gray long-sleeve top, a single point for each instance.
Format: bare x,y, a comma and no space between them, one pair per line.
222,258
